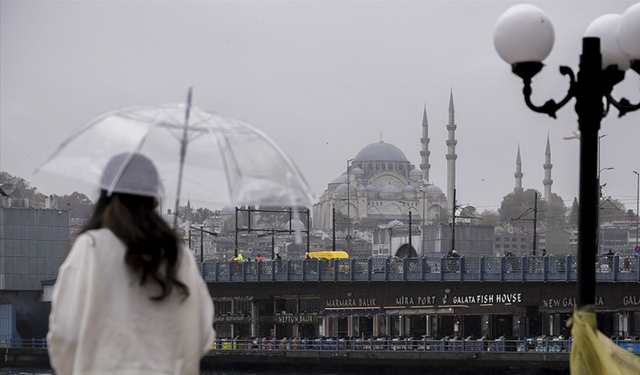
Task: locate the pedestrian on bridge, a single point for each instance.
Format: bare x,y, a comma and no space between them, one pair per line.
129,298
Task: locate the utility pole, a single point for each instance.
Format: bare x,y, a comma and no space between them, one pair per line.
453,223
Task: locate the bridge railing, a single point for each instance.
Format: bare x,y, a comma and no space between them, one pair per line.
548,268
24,343
540,344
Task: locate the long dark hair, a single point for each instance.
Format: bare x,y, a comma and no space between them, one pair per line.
151,243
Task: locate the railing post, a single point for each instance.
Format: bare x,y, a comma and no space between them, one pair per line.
387,267
369,268
545,268
443,264
502,265
304,270
615,267
405,268
567,266
523,266
244,265
352,268
335,269
482,268
461,266
273,270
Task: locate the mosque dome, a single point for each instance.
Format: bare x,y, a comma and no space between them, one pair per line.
415,172
342,189
357,171
340,179
295,224
389,189
372,188
409,189
362,188
395,224
381,151
433,189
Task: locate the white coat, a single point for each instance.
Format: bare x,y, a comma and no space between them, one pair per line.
103,322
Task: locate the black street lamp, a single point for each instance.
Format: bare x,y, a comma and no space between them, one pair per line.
524,37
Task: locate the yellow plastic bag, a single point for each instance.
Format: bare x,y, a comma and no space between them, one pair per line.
592,353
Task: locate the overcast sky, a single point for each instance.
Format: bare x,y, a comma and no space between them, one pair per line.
323,78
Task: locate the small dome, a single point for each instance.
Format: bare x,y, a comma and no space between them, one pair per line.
228,208
362,188
389,189
342,189
381,151
433,189
395,224
408,189
340,179
372,188
415,172
357,171
295,224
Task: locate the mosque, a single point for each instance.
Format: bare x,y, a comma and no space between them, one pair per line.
382,186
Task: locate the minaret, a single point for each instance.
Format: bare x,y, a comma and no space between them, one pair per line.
518,174
451,154
424,153
547,182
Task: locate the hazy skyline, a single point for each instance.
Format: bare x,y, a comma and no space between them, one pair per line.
324,79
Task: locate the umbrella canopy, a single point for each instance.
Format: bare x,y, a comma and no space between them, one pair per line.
212,159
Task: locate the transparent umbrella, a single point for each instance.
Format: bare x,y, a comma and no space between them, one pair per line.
212,159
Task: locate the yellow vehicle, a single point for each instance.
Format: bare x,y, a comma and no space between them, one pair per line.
327,255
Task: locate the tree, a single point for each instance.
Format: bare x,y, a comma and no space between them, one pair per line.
515,204
573,215
24,187
553,214
79,205
490,217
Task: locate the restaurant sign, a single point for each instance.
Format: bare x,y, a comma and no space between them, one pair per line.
297,319
232,318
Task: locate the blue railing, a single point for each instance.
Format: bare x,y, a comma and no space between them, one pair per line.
525,345
549,268
24,343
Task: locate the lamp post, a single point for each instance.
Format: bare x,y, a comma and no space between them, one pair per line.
598,235
524,37
424,218
637,249
348,205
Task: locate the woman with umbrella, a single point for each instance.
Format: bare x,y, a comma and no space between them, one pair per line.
128,298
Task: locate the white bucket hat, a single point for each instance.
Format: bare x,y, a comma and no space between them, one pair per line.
131,174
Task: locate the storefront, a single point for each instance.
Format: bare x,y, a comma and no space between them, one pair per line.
418,309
